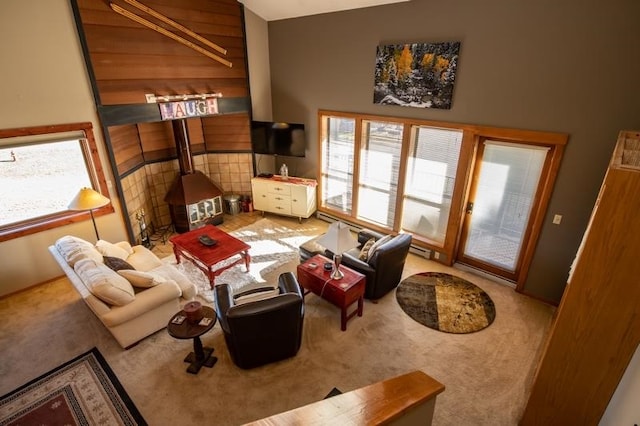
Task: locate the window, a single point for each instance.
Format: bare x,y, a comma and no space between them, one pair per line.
432,164
415,176
379,171
337,163
41,170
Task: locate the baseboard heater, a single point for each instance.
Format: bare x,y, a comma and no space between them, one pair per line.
420,251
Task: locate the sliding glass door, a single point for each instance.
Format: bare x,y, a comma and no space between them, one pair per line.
499,207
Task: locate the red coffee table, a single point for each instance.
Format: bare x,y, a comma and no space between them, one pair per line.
342,293
204,257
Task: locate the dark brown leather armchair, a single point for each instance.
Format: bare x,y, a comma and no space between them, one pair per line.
384,268
262,331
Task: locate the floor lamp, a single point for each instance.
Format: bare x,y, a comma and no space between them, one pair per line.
337,240
89,199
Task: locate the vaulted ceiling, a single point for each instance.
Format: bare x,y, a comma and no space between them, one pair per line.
283,9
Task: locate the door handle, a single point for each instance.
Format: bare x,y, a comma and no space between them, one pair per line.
469,207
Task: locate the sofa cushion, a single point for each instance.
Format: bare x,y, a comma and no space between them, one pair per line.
255,295
170,272
364,251
311,248
111,250
143,259
141,279
104,283
125,246
116,263
74,249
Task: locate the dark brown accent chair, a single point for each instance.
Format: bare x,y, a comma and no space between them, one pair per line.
262,331
384,268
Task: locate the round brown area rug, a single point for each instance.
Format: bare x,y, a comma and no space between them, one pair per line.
445,302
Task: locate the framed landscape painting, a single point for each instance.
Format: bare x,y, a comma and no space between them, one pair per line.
418,75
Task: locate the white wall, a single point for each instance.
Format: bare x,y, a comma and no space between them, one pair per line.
43,82
257,35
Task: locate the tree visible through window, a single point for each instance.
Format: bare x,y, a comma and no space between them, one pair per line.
41,170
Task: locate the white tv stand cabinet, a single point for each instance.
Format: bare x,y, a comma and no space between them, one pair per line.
292,196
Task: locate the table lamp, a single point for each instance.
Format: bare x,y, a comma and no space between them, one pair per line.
338,239
89,199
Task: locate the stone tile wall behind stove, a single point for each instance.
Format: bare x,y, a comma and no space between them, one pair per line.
144,189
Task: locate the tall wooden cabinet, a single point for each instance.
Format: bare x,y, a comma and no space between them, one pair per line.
597,325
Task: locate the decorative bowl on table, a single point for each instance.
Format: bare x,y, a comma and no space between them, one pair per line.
207,240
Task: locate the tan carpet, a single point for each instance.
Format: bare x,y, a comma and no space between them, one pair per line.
486,374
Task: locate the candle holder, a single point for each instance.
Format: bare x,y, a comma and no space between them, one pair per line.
193,312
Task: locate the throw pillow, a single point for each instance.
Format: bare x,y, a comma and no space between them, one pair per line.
116,263
364,252
109,249
74,249
255,295
141,279
104,283
377,245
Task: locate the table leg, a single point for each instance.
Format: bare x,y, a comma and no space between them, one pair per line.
212,278
360,305
343,319
201,356
247,259
176,253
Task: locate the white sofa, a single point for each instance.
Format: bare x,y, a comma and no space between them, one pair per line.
133,302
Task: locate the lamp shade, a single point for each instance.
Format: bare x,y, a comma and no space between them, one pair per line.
338,238
88,199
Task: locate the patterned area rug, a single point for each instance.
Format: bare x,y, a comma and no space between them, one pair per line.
274,250
445,302
83,391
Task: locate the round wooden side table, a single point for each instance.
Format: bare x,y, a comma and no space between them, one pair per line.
180,328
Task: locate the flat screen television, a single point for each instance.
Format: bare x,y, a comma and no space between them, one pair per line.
274,138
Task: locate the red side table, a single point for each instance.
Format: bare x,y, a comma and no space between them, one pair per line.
342,293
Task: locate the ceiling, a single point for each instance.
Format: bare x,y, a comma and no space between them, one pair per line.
272,10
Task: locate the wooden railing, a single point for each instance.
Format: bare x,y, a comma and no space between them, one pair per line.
404,400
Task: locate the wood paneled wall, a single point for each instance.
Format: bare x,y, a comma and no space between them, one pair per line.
227,132
127,60
130,60
158,142
128,154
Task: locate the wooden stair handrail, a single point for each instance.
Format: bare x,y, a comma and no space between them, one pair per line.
379,403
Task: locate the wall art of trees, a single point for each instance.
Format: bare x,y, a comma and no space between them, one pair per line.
418,75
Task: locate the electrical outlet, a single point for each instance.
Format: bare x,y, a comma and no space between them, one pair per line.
557,219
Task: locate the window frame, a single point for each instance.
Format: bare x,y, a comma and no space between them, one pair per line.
94,170
471,136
